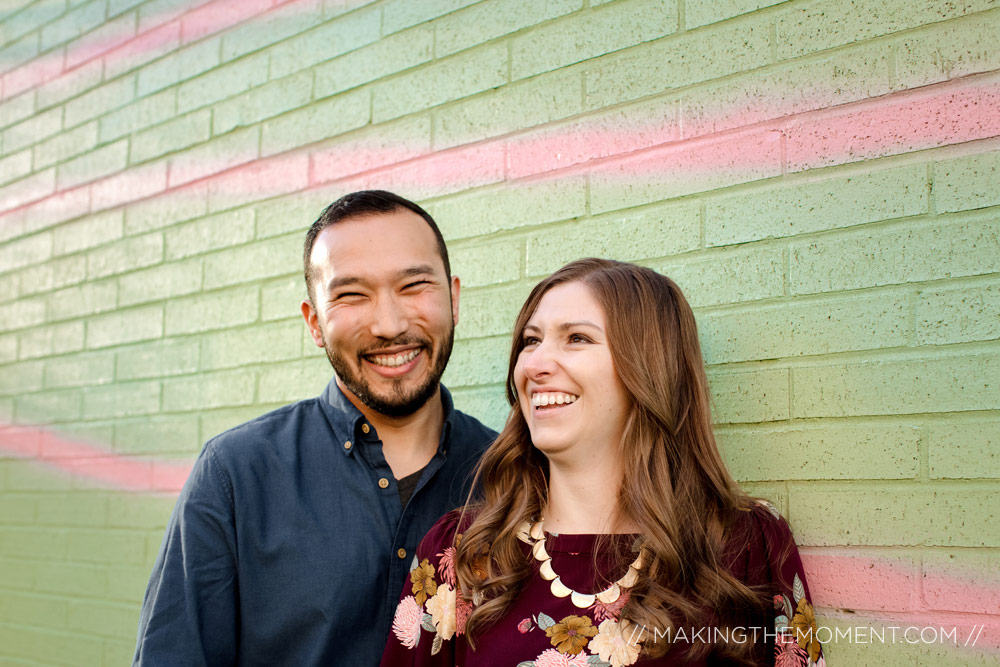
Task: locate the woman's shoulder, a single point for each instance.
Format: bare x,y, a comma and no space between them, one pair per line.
758,538
444,532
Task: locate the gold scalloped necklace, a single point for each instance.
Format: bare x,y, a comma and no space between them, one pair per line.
534,534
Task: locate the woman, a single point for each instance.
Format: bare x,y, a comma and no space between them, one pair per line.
609,530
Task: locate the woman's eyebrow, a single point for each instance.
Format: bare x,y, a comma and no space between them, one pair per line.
567,325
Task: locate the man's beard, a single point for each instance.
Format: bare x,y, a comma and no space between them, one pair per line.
398,403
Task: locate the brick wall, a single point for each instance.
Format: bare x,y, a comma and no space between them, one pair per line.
822,177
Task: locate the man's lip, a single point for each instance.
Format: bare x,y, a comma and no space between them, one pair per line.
391,351
395,371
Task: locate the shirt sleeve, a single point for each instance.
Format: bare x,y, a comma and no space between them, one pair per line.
430,616
795,626
190,611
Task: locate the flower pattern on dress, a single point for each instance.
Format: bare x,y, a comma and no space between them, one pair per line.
597,636
804,624
797,643
444,614
446,566
424,585
616,643
611,611
571,634
553,658
788,654
463,608
406,623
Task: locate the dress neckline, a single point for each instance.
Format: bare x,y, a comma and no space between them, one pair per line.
587,543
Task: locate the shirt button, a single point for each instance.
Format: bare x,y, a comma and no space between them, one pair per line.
365,428
347,445
401,553
383,483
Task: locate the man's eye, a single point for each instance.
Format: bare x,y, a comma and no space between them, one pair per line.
346,295
416,283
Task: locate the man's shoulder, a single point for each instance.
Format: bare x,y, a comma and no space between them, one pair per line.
470,433
469,437
271,429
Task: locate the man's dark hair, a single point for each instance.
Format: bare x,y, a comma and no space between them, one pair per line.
360,204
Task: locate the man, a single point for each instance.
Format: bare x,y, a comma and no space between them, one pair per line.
295,532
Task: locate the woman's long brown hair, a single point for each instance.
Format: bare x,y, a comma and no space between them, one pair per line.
676,488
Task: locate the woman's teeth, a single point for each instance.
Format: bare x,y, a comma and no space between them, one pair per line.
393,360
540,400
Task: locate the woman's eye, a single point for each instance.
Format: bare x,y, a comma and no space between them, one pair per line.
578,338
530,340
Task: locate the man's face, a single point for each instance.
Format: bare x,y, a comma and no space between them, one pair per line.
384,309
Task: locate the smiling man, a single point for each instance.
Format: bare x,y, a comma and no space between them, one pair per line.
295,532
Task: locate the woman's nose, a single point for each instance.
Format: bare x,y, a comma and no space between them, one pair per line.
540,360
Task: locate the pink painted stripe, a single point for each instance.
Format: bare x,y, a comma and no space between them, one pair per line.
117,40
938,116
91,463
850,588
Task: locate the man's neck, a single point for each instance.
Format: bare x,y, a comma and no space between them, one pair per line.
408,442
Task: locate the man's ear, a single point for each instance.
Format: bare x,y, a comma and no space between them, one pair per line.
456,287
312,322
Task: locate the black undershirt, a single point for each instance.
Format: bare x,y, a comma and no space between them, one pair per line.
407,485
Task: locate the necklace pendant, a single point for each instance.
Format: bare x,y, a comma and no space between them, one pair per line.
546,571
524,532
609,595
582,601
559,589
538,551
628,581
536,531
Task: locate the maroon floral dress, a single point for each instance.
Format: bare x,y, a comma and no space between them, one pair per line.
542,630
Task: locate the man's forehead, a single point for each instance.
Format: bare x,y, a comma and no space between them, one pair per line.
377,246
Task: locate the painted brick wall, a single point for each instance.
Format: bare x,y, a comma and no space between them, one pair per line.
822,177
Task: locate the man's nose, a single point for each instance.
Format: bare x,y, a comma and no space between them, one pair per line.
390,319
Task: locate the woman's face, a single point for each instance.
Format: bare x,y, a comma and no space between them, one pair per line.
566,382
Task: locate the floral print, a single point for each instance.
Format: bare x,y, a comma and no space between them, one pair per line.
797,644
571,634
406,624
553,658
595,636
423,581
444,614
616,643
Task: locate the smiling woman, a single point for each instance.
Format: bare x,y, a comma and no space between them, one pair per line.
609,531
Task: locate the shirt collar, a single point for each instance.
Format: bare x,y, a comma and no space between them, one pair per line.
346,420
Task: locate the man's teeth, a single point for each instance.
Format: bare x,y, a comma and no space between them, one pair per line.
541,399
393,360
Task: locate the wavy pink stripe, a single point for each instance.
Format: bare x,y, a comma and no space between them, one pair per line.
911,121
91,463
857,589
117,41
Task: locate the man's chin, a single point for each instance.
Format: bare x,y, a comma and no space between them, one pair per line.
396,405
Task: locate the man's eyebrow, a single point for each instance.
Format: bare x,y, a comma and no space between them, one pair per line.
344,281
418,270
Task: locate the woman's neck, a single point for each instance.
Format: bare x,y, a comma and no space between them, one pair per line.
583,499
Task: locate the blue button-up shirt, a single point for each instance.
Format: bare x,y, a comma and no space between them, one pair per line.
288,544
